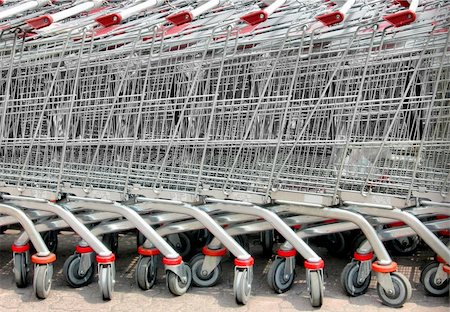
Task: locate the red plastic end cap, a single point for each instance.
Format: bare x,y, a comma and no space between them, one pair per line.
83,249
440,260
403,3
244,263
446,268
43,260
332,18
214,252
401,18
40,22
180,18
148,252
254,18
20,249
109,19
386,268
106,259
396,224
363,257
286,253
314,265
444,233
176,261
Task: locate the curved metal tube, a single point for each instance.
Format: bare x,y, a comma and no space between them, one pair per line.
28,226
72,221
276,222
432,241
363,224
205,219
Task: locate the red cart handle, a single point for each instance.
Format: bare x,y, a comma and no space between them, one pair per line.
335,17
256,17
404,17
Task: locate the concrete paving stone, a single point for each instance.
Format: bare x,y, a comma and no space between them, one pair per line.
129,298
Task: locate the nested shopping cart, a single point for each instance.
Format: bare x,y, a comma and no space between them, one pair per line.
215,114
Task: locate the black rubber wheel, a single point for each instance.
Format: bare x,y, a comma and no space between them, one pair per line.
350,283
267,242
21,269
73,278
51,240
427,278
402,291
111,241
243,241
405,246
336,244
146,272
183,246
176,285
200,279
140,239
276,278
42,281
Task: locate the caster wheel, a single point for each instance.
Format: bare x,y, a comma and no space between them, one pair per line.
21,269
106,280
140,239
42,281
349,280
111,241
336,244
405,246
276,278
427,277
202,279
357,241
315,289
402,291
51,240
146,272
267,242
243,241
181,243
72,274
242,286
176,286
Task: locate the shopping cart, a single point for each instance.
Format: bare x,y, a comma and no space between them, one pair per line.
203,114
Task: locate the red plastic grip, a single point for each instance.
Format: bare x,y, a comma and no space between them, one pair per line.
40,22
396,224
286,253
254,18
332,18
148,252
109,19
363,257
83,249
214,253
180,18
43,260
244,263
401,18
176,261
105,259
403,3
314,265
20,249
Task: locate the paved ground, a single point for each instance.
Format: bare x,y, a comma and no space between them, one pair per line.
128,297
